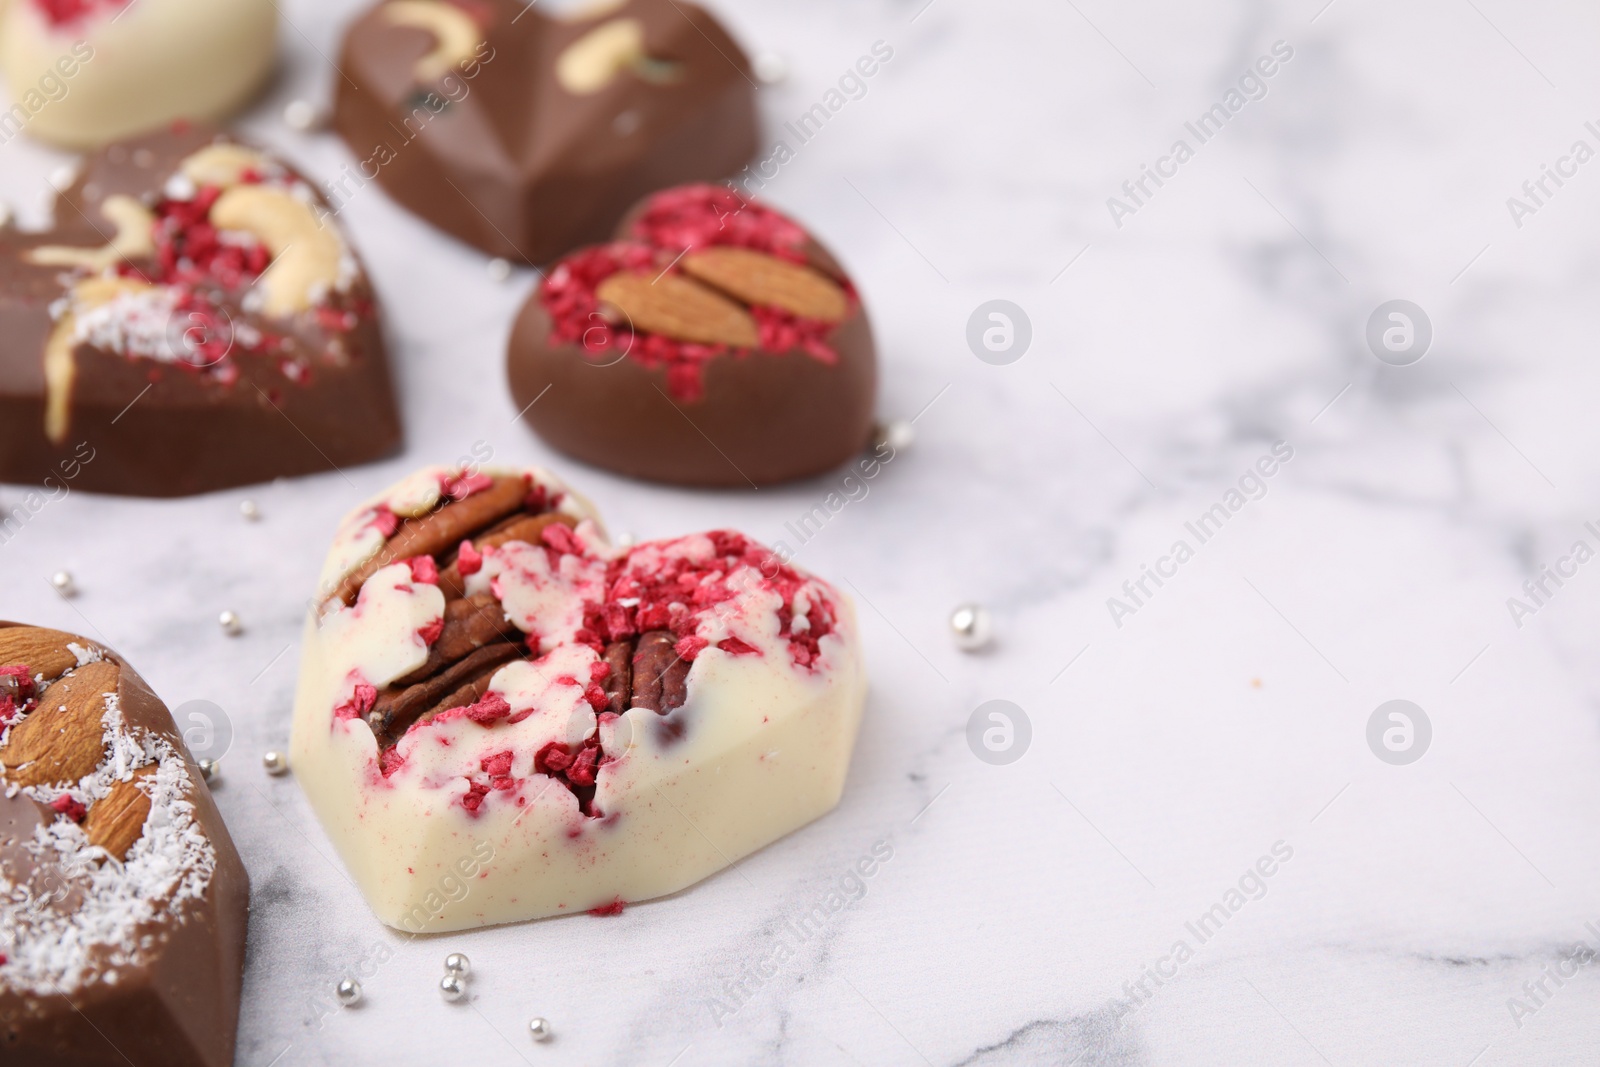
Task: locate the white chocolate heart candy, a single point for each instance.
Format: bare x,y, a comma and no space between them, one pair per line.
85,73
513,719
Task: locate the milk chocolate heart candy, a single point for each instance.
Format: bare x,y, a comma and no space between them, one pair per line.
714,343
197,320
502,717
526,134
84,73
123,903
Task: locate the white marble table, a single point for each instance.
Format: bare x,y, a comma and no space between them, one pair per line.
1225,716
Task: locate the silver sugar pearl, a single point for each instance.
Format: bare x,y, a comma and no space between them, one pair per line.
626,540
249,510
971,627
457,963
208,769
770,68
499,269
898,435
63,176
540,1029
348,992
62,582
229,621
452,987
275,762
302,115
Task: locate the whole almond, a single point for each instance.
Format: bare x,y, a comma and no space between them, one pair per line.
760,279
62,740
41,651
116,820
680,308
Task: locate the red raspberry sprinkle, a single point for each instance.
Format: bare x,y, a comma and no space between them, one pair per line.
582,770
386,521
360,702
68,805
552,759
390,760
430,633
613,908
468,559
424,569
497,765
560,537
596,697
689,647
693,216
23,686
489,710
734,646
461,486
474,797
599,671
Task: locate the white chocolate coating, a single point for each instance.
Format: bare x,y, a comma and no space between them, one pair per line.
128,68
760,747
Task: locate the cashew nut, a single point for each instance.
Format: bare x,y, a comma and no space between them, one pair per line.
222,165
590,63
59,367
134,224
594,9
306,254
456,36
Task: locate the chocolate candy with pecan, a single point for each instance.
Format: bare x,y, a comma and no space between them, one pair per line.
492,695
123,903
195,320
713,343
528,134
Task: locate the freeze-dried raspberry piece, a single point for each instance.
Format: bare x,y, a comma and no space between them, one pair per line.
70,806
490,709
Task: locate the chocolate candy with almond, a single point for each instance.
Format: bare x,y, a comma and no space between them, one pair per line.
713,343
123,903
195,320
527,134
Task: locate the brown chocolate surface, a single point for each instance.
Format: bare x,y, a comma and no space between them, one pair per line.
176,1003
499,152
756,417
293,393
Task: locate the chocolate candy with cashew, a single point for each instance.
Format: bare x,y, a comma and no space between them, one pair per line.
123,902
527,134
195,320
714,343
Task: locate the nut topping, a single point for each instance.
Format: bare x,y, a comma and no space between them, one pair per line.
117,821
44,652
757,278
305,253
439,530
679,308
62,739
455,35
